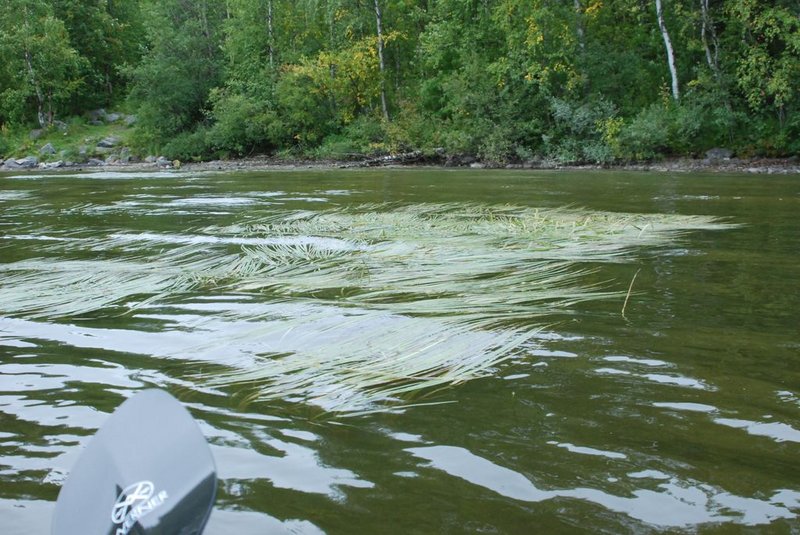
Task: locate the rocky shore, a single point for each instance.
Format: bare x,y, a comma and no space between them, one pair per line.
770,166
103,144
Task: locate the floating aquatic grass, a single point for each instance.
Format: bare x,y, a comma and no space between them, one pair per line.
373,302
14,195
370,359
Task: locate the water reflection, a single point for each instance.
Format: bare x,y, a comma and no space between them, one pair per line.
777,431
296,467
674,504
583,450
43,413
660,378
684,406
225,521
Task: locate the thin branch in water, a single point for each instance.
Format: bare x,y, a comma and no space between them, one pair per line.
628,295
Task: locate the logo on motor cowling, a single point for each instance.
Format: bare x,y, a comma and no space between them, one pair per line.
134,502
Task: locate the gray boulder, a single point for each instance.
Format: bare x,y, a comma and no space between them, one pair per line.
163,162
94,162
97,116
11,163
51,165
29,162
109,143
36,134
718,155
113,117
47,150
130,120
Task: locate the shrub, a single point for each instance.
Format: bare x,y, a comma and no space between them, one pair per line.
242,124
189,146
497,145
337,147
580,132
5,144
646,135
410,129
671,128
367,133
304,113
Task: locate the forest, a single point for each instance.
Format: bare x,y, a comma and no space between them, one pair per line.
572,81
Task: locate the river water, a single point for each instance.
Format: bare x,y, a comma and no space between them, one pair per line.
675,406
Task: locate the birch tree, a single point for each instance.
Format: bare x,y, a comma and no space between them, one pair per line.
270,35
709,38
171,85
381,62
669,50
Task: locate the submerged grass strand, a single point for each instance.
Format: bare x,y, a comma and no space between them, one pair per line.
374,303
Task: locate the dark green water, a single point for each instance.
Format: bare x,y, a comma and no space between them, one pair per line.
682,415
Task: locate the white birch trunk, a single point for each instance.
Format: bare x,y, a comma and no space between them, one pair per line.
39,96
379,23
708,27
32,75
580,30
670,53
271,36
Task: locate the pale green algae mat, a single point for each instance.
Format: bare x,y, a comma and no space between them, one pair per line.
416,350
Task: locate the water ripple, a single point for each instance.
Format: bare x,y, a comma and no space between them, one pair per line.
777,431
675,504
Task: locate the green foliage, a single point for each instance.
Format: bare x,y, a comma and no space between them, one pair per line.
363,137
338,147
242,125
108,35
768,71
580,132
40,70
506,80
75,141
188,146
683,129
5,143
409,129
306,115
171,85
646,135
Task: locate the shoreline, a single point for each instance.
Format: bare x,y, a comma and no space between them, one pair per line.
757,166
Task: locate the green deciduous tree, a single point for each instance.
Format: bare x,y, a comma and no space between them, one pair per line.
581,80
181,65
107,34
40,69
768,68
